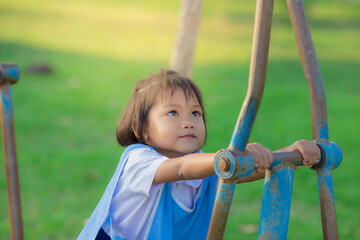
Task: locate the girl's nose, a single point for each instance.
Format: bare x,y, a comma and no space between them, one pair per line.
187,124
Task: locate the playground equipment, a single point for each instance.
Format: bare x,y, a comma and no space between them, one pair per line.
9,74
234,162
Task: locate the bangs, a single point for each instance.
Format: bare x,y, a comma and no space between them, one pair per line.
171,81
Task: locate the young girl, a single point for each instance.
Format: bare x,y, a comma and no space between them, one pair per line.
164,187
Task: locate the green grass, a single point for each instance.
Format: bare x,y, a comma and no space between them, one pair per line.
65,121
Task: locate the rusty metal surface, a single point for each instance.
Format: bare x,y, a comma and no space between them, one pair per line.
245,122
276,202
275,210
257,75
221,209
318,112
311,69
9,74
327,203
234,162
233,165
332,159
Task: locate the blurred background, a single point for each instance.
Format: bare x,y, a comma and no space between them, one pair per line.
91,53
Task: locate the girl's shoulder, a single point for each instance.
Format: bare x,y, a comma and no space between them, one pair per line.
141,152
139,147
143,149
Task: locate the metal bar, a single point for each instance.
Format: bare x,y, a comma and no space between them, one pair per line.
9,74
245,122
327,203
318,112
257,75
293,157
222,204
276,202
234,165
311,69
275,207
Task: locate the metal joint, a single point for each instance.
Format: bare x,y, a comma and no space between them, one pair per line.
331,155
9,73
233,164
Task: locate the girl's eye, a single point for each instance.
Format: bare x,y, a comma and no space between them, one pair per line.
196,114
172,113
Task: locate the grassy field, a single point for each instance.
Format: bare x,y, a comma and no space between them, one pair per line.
65,120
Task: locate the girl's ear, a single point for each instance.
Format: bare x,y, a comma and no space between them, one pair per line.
134,129
145,133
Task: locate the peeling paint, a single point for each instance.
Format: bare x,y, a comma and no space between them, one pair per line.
9,74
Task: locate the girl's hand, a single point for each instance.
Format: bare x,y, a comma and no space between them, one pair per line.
309,151
263,157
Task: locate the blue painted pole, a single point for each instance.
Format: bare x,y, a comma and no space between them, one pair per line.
275,207
235,163
245,122
332,159
9,74
318,116
327,203
222,205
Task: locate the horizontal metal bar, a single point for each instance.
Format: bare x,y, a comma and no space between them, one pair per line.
293,157
233,164
229,164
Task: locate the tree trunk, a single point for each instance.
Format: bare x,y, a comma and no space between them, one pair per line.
188,25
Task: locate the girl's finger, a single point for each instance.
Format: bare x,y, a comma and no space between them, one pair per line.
313,152
264,157
269,157
304,152
259,159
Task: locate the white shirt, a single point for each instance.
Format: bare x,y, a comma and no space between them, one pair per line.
136,196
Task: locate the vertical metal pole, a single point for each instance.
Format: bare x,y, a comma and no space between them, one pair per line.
222,205
327,204
257,75
245,122
318,113
9,74
311,69
275,207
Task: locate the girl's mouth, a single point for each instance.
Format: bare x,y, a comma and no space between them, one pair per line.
187,136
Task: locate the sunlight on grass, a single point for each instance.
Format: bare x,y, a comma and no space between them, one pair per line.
116,31
129,31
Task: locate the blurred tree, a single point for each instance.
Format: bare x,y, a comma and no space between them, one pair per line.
183,51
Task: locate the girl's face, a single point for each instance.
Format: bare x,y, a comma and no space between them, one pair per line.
175,126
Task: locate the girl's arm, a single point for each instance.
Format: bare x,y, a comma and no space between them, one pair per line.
191,166
201,165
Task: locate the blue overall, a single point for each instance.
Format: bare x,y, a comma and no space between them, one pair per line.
170,220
